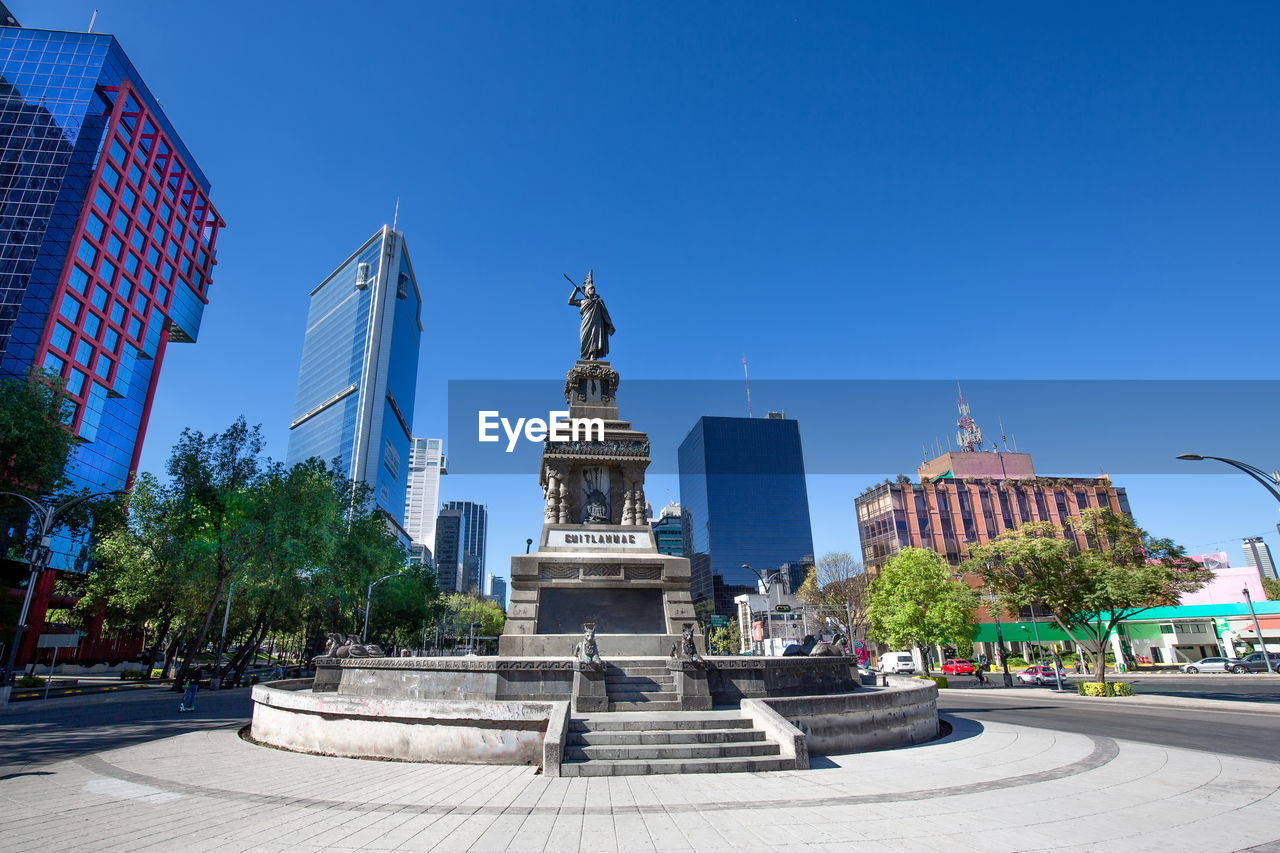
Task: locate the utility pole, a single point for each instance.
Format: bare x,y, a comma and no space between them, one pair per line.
1257,629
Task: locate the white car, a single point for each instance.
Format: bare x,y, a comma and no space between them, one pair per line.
1210,665
897,662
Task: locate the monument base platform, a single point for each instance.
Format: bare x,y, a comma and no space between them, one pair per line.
611,645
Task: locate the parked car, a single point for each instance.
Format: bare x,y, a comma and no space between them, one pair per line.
1210,665
1041,675
957,666
897,662
1255,663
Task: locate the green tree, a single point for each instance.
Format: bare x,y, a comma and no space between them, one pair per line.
916,601
1271,587
141,573
1121,572
35,442
403,606
726,640
211,476
460,610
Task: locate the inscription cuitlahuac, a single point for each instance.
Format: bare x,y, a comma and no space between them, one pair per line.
599,539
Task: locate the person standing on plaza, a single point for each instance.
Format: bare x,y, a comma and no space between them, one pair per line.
189,696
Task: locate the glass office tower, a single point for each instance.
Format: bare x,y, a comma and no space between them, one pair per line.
359,371
107,240
474,532
743,491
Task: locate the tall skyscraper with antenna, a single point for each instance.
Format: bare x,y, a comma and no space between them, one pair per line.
359,371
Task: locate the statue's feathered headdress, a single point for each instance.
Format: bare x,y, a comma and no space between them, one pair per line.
589,282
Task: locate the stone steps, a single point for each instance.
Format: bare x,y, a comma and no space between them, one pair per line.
623,681
659,722
652,766
681,742
620,738
672,704
645,752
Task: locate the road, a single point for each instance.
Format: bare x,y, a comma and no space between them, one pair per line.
33,736
1258,687
1250,734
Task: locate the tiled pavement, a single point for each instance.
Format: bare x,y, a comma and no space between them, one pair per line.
994,787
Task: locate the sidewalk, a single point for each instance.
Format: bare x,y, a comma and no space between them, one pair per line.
1053,790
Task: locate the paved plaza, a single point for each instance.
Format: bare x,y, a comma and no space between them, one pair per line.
989,786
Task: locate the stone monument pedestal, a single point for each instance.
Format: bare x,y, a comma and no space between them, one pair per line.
609,575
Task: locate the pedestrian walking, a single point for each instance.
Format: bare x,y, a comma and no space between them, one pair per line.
189,696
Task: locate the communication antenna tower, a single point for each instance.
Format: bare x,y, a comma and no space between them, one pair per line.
969,435
747,378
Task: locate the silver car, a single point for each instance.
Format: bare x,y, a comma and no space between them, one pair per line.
1210,665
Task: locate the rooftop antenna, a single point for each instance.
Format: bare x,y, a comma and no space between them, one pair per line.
1014,439
1004,439
747,378
969,435
395,217
93,19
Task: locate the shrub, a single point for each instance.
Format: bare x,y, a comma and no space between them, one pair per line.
939,680
1104,688
31,681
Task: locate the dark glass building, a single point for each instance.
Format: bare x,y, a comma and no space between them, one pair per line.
474,531
448,553
743,493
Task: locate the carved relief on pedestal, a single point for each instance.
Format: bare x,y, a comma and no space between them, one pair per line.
590,383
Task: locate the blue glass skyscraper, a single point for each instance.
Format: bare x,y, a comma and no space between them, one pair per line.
359,370
107,242
743,490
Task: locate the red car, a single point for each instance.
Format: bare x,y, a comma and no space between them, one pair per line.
957,666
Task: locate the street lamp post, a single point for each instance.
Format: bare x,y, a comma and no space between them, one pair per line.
368,600
1257,629
215,683
47,515
1270,482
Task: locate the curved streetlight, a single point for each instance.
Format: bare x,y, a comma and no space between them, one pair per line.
1270,482
368,599
47,514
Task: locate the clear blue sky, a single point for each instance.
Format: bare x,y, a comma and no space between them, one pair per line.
841,190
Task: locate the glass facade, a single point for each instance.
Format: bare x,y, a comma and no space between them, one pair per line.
107,242
359,371
448,550
473,534
742,488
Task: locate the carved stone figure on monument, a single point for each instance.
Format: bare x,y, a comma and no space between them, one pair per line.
586,651
596,327
595,495
355,648
685,648
337,647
